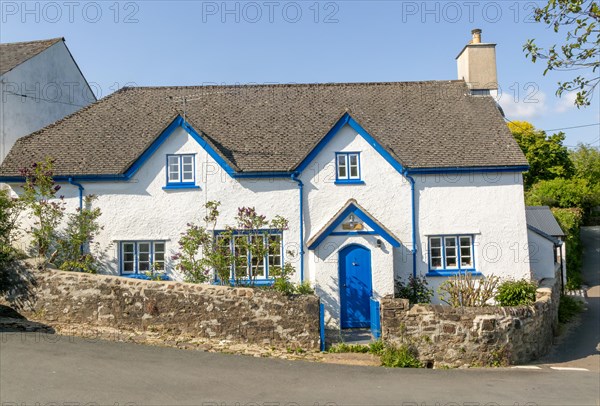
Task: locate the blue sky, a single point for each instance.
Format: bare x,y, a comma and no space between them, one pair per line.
155,43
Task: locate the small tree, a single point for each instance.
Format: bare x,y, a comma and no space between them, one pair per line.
188,258
39,196
256,244
75,244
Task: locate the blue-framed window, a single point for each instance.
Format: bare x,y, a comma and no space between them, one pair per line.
139,257
449,254
181,170
235,242
347,167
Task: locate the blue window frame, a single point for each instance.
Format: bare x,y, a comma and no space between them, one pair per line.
347,168
235,241
181,170
139,257
451,254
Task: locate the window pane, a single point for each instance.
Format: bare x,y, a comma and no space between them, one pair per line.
241,256
466,255
143,257
159,256
450,252
274,251
342,167
354,166
173,169
187,168
258,263
128,250
435,252
223,244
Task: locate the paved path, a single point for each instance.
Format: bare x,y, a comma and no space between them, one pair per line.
580,346
38,368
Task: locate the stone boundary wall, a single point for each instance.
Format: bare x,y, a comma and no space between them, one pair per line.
240,315
475,336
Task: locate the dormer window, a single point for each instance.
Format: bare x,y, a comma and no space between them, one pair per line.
347,166
181,171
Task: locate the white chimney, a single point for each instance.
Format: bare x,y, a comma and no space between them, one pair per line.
477,66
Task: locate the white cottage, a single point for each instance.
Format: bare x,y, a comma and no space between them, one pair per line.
377,180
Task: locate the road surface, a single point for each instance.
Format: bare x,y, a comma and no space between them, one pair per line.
58,370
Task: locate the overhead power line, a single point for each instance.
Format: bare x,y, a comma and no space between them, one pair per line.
569,128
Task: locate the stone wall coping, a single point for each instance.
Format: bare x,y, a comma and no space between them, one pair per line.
165,285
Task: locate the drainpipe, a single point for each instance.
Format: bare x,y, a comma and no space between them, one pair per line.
414,222
301,193
80,187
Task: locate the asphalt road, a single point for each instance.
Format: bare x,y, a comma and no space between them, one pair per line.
57,370
580,346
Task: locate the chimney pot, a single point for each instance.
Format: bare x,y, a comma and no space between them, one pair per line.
476,36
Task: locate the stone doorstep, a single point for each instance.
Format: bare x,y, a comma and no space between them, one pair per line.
352,359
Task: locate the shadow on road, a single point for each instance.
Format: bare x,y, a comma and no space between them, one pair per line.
12,321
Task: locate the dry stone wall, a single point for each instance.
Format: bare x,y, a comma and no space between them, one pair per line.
474,336
242,315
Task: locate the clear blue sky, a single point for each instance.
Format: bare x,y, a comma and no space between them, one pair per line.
155,43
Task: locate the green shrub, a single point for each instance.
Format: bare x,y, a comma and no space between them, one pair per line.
304,288
349,348
516,293
377,347
9,213
568,308
391,356
416,290
284,286
400,357
570,221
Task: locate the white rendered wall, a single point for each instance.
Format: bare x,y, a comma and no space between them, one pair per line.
385,195
488,206
542,256
51,75
140,210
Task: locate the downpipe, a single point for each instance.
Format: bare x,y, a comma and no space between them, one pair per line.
294,178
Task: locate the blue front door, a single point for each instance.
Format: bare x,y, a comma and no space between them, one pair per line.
355,286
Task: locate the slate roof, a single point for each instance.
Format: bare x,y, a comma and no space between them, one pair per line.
542,219
273,127
15,53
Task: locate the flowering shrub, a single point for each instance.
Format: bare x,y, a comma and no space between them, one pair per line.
45,207
201,252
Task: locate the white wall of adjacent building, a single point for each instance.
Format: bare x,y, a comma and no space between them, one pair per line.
54,87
